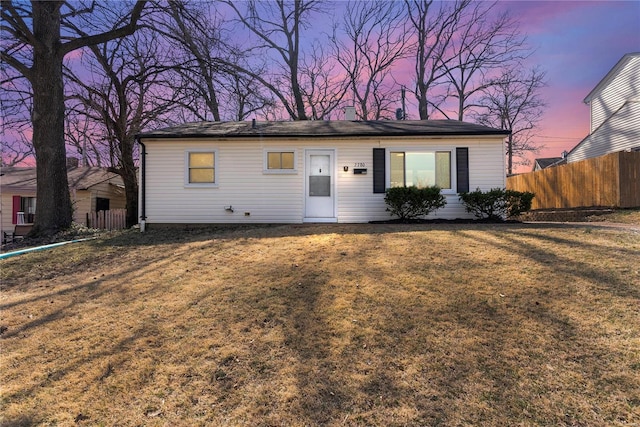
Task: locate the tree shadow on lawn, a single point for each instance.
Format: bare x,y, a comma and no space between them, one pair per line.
381,368
191,234
114,286
194,233
565,266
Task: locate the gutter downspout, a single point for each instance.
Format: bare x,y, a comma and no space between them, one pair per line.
143,185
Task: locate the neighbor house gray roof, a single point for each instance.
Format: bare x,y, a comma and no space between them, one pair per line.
318,128
544,163
81,178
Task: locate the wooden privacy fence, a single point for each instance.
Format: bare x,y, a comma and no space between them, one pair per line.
612,180
114,219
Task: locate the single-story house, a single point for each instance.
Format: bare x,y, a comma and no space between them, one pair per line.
92,189
309,171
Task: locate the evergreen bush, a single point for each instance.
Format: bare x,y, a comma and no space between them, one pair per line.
497,203
413,202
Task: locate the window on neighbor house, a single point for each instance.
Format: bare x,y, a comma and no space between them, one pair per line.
201,167
24,210
420,168
280,161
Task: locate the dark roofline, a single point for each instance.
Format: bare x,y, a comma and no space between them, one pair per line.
323,129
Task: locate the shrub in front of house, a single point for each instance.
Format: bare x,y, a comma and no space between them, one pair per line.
497,203
412,202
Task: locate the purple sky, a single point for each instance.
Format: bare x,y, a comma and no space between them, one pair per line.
577,43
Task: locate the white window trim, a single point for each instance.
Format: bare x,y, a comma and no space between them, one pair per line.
452,171
265,161
216,174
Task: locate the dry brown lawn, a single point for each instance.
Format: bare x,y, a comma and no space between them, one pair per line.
326,325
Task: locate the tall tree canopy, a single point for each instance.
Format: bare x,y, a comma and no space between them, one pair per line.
40,35
229,60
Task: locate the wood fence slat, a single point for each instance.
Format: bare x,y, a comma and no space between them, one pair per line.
612,180
114,219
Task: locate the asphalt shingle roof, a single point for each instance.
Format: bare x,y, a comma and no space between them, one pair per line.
310,129
80,178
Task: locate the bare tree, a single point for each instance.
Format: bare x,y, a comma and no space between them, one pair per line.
36,48
481,46
199,40
84,136
212,83
513,103
126,93
15,106
15,151
376,38
323,88
278,26
433,29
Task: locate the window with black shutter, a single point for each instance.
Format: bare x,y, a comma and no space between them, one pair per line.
378,170
462,169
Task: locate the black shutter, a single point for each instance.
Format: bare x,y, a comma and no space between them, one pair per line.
462,166
378,170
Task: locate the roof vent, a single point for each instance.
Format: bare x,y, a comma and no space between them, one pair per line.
350,113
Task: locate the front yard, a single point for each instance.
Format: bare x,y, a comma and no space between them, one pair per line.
345,325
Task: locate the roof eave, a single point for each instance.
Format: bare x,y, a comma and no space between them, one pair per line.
609,76
147,136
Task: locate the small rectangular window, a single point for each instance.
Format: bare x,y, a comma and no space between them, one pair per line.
279,161
202,167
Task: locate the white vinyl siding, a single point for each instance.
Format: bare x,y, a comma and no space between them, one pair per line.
624,86
279,198
621,132
615,112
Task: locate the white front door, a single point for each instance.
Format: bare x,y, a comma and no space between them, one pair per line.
319,185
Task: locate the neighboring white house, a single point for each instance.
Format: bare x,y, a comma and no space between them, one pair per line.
309,171
615,112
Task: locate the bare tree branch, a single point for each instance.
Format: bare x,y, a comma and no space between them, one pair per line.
513,103
377,39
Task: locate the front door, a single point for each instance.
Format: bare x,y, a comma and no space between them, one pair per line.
319,185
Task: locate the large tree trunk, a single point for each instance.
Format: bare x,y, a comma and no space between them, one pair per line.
53,207
130,179
422,103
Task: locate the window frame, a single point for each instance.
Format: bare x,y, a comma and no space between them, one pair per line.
424,150
187,168
23,204
265,160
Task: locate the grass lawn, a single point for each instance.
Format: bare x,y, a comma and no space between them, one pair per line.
332,325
